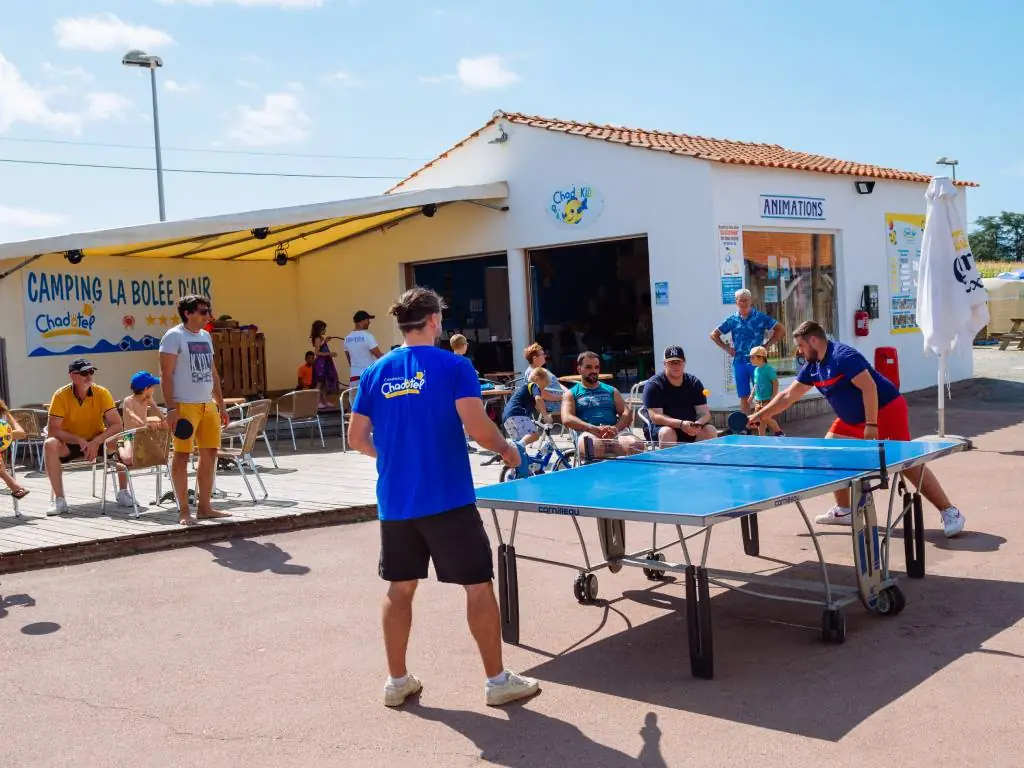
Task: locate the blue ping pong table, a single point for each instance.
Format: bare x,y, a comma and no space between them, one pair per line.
703,484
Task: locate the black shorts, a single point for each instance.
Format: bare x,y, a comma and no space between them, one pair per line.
454,540
75,453
682,437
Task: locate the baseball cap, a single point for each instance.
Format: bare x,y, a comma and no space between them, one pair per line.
143,380
674,352
81,365
361,315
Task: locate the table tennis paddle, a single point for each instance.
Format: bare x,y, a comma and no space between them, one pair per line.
737,422
183,429
523,470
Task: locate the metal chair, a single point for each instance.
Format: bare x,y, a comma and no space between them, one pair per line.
10,455
299,408
33,422
150,453
244,410
252,427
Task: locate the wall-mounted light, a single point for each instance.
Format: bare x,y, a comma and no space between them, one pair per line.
74,256
864,187
260,233
501,138
950,162
429,210
281,255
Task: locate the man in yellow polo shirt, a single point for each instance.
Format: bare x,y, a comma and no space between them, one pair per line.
192,393
82,417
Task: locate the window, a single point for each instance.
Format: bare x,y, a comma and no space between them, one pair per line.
792,277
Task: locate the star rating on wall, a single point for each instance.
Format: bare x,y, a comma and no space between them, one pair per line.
163,320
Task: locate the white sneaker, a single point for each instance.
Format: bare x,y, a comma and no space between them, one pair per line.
60,507
835,516
514,688
952,521
124,498
395,695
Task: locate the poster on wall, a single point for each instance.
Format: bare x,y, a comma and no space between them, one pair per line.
75,312
904,232
730,261
661,293
575,205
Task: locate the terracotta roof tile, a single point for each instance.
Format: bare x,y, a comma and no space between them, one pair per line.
700,147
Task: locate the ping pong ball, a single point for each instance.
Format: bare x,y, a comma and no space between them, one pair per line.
707,392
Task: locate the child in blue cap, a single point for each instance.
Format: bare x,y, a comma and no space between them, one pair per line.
137,408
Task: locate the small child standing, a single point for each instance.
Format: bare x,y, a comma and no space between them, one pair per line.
766,387
16,433
137,409
518,418
460,346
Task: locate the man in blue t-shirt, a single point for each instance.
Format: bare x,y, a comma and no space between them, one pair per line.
409,414
595,410
867,405
747,326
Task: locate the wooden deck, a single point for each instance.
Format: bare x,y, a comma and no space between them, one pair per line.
311,487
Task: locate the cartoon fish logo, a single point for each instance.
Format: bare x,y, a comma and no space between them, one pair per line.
574,210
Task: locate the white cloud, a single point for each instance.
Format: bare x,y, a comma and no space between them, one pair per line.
106,106
343,78
70,73
435,79
21,102
26,218
173,86
280,120
485,72
253,3
106,32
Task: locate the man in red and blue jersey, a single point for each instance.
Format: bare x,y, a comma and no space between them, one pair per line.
867,406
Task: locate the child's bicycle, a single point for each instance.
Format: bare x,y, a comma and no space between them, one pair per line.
548,457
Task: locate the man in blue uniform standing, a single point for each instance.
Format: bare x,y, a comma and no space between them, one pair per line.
747,327
409,415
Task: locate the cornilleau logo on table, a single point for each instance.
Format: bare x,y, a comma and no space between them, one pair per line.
557,510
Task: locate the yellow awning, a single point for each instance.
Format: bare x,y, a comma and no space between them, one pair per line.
260,235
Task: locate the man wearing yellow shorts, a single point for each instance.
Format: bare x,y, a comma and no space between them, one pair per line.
191,389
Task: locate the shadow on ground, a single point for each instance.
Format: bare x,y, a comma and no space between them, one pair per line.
248,556
771,668
521,737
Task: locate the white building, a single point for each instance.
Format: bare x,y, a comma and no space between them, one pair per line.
571,234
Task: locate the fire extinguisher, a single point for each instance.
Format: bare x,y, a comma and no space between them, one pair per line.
860,322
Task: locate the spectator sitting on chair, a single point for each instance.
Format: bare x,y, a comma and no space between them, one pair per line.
677,404
17,433
537,357
596,410
82,416
137,409
304,376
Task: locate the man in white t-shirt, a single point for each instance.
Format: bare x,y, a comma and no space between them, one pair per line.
191,389
360,347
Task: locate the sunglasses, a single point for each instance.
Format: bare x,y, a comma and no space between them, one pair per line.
203,312
84,374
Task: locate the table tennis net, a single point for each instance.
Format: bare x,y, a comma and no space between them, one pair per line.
768,456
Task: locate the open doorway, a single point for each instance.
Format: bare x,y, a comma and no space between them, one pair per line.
475,291
595,296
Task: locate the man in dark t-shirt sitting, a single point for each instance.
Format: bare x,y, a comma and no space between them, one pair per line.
677,403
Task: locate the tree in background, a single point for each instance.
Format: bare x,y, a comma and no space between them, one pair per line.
998,238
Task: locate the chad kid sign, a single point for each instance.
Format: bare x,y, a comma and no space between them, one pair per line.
77,313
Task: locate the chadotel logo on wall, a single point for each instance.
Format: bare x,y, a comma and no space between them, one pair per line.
576,204
67,324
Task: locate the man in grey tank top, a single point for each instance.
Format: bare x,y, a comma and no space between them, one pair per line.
598,413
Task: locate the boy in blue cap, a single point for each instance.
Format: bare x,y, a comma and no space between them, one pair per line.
137,409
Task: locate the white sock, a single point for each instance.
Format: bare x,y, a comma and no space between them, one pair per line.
398,682
500,679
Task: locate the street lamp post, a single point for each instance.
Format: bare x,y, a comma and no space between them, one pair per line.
139,59
947,161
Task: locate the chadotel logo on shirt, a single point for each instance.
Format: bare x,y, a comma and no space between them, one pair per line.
395,387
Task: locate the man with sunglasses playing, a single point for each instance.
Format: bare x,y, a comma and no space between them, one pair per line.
192,393
82,417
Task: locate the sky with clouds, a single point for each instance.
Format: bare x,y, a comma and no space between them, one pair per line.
369,89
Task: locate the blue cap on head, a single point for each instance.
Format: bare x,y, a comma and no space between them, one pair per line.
143,380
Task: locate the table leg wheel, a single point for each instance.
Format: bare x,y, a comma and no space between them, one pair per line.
585,588
654,574
833,625
891,601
